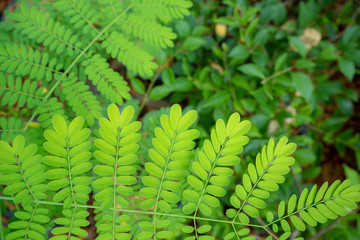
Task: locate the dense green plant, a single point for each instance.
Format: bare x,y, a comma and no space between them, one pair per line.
282,65
56,52
178,192
290,67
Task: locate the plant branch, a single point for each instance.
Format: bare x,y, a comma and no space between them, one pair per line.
259,219
298,187
153,80
141,212
276,75
325,230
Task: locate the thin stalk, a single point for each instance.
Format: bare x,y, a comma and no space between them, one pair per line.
153,80
303,209
259,219
298,187
1,226
30,221
71,223
115,181
142,212
254,186
235,231
162,180
271,233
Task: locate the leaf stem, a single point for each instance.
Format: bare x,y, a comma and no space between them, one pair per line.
30,221
303,209
162,180
1,226
254,186
71,222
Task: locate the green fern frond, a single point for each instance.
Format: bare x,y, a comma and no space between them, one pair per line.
163,8
23,61
107,81
117,153
83,102
38,26
22,171
212,169
111,8
70,225
82,15
6,30
10,128
262,178
136,59
148,31
29,224
315,206
170,159
68,161
15,91
48,109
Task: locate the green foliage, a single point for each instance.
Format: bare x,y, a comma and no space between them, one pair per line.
58,47
16,91
291,67
177,191
10,128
